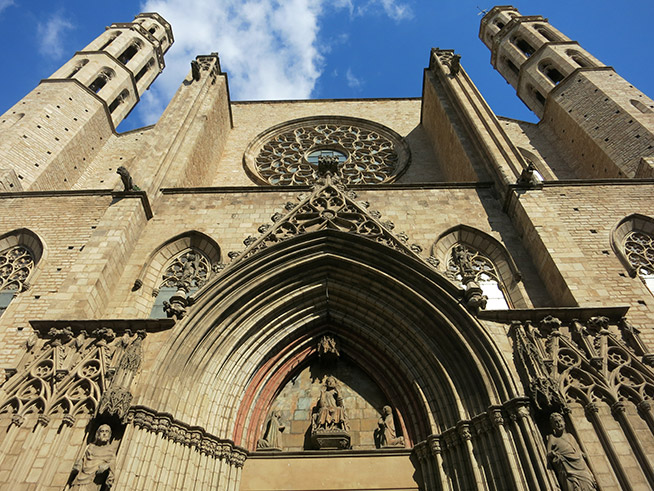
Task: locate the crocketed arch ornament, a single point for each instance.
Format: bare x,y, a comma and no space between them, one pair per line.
368,153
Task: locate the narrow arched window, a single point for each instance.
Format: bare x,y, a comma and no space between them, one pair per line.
465,264
189,270
536,94
78,66
639,249
144,70
16,265
118,100
546,33
526,48
579,58
101,80
551,72
111,39
129,52
640,106
511,66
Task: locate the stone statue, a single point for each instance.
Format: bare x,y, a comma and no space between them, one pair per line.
386,436
331,413
95,468
567,460
272,436
329,426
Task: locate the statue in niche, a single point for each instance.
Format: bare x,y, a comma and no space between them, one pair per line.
272,436
95,468
329,426
567,459
385,435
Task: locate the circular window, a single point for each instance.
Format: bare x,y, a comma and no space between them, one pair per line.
288,154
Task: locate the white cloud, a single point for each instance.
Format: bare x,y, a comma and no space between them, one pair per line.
269,48
5,3
51,36
352,81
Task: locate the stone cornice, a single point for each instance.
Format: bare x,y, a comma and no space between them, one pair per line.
191,436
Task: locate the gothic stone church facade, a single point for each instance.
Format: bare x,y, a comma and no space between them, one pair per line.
343,294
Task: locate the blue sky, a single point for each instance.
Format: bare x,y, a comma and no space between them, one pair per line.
274,49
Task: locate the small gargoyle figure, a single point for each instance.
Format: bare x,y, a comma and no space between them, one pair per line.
128,183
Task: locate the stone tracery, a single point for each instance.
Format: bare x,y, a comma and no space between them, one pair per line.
16,264
639,248
368,153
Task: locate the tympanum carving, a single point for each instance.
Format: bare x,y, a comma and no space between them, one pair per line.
329,425
386,435
272,436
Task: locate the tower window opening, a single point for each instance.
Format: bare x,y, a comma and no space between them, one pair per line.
546,33
551,73
144,70
640,106
152,30
78,67
111,39
129,53
511,66
537,94
526,48
499,24
118,100
579,59
101,80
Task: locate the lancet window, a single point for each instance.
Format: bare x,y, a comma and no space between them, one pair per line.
16,265
465,264
639,249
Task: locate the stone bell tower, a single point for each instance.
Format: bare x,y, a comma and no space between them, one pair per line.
604,124
51,135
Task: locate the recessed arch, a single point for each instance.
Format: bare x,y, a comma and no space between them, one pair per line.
486,244
152,269
255,322
623,229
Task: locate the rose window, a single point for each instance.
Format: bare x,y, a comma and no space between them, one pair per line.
288,154
639,248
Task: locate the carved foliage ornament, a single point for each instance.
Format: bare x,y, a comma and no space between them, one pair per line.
16,264
287,154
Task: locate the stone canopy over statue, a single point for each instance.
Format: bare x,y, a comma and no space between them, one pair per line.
329,427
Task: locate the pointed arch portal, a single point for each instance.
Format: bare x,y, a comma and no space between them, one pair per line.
256,325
